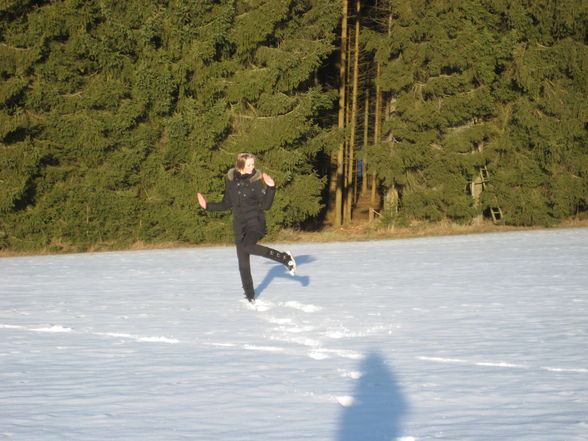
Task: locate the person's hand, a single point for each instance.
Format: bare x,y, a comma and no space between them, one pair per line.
268,180
201,201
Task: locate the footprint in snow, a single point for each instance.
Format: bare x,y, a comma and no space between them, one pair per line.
262,305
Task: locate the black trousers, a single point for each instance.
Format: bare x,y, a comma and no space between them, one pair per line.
246,247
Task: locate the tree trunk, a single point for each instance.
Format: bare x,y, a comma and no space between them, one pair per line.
391,197
366,133
341,119
477,186
377,137
354,105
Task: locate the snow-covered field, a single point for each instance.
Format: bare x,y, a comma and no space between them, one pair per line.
481,337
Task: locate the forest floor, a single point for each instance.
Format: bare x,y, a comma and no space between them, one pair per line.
364,230
358,230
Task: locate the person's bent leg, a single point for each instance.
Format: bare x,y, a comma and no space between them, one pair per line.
251,246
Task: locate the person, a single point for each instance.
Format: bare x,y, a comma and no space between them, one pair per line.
248,198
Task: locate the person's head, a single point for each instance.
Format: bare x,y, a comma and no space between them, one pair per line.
245,163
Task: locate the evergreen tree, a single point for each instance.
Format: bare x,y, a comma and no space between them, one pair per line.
540,156
489,94
276,100
114,114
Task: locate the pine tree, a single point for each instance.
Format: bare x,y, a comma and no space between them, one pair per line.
114,114
540,157
484,94
276,101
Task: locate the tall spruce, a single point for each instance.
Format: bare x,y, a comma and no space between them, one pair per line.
486,110
276,100
114,114
540,156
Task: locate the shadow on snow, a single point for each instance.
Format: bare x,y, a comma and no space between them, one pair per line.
279,270
378,405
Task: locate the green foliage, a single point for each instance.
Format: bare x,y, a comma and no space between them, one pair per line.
500,85
114,114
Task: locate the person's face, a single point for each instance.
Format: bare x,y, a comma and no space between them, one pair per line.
249,166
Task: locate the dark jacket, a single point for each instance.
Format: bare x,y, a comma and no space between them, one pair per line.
248,197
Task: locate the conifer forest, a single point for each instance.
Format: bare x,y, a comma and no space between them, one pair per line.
114,114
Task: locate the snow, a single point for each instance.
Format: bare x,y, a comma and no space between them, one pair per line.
479,337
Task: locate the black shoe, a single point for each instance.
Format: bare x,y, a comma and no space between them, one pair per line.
284,258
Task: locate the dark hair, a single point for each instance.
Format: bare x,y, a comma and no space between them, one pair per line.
242,158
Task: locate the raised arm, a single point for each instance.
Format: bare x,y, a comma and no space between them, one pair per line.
269,193
201,200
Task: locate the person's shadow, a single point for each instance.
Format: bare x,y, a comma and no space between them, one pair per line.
378,405
279,270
